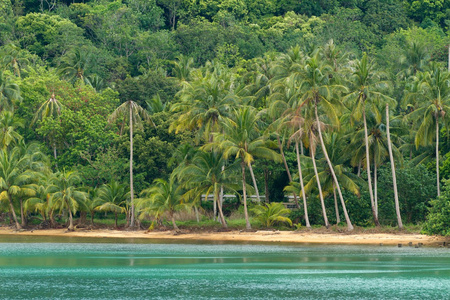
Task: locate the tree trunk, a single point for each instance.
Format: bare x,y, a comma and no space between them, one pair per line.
196,214
217,198
300,175
214,207
13,213
23,217
437,156
394,177
280,146
369,179
115,220
132,217
175,227
359,169
375,189
254,182
52,219
338,219
244,195
71,227
266,186
333,174
55,156
319,186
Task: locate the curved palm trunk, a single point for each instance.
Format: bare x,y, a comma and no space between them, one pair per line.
244,194
333,174
302,186
13,213
437,157
322,203
394,177
217,198
336,207
287,169
254,182
132,221
369,179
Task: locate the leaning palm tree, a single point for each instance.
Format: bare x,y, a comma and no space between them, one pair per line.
242,139
66,196
136,116
435,86
315,82
164,197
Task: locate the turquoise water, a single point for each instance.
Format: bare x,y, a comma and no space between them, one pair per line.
49,268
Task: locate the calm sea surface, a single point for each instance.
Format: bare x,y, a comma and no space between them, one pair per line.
69,268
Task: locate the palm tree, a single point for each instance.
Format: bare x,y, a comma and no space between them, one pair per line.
9,92
15,179
15,58
182,68
66,195
50,108
315,82
242,139
163,197
206,175
436,102
113,197
366,81
74,64
8,133
271,213
136,116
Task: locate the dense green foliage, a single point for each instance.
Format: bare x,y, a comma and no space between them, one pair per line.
236,97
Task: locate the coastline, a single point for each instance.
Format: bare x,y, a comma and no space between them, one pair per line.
293,237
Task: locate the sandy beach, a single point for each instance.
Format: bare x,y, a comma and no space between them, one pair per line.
241,236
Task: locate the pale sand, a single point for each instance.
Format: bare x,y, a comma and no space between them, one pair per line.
258,236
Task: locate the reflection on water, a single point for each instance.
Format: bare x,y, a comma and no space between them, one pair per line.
37,268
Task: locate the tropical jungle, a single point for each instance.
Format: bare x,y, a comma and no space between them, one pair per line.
225,114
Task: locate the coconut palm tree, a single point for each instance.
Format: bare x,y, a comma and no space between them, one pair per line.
74,65
164,197
435,86
15,58
113,197
365,96
242,139
16,180
66,195
317,88
206,175
136,116
8,126
9,92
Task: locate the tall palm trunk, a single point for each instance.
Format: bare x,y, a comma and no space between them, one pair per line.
254,182
216,199
375,188
437,156
302,186
319,186
22,214
55,156
131,170
333,174
244,194
336,207
394,177
280,146
369,179
13,213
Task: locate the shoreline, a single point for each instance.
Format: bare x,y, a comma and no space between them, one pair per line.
269,237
